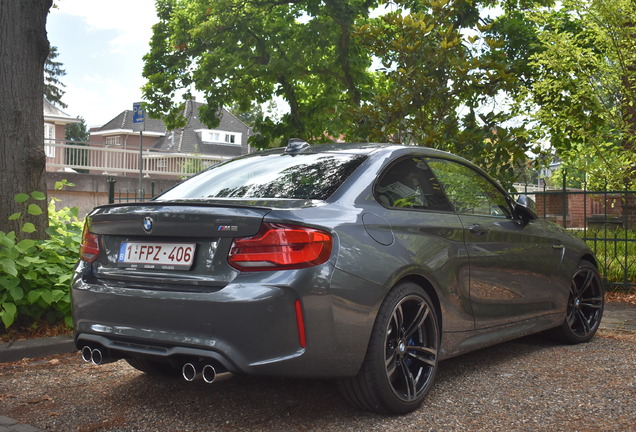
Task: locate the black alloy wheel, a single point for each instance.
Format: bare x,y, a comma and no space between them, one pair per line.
402,357
585,306
411,347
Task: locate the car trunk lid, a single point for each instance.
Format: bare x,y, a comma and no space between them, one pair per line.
161,245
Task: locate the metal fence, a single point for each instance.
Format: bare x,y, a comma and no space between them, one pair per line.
119,195
604,219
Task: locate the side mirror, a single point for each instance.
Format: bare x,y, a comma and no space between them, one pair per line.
526,208
528,202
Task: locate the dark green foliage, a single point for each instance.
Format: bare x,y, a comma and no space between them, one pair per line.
53,87
35,274
409,75
77,132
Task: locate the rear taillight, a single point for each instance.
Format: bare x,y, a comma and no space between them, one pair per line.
279,246
89,248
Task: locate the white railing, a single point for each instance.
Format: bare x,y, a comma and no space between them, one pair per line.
532,188
110,160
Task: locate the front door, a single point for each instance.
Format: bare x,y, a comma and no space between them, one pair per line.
512,264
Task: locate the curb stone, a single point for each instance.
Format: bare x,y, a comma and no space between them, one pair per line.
33,348
7,424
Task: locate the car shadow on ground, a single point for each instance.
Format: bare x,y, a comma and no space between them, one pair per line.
253,403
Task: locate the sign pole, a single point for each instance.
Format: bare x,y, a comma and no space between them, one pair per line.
138,120
142,196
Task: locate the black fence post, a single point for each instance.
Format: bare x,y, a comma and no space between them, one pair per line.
585,209
626,235
565,199
545,199
111,189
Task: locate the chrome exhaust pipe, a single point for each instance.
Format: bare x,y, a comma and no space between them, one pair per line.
208,373
87,354
97,357
189,372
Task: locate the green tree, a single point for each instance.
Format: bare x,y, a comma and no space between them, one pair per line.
422,72
580,83
241,53
23,52
248,116
255,112
440,82
53,87
78,135
77,132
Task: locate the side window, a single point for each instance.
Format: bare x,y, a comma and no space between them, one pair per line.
409,183
468,191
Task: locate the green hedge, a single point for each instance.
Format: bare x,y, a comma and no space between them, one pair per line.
35,275
615,251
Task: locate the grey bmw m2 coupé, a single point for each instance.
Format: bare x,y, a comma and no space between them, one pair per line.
368,263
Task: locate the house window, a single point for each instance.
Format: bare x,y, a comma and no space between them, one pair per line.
49,140
113,140
209,136
220,137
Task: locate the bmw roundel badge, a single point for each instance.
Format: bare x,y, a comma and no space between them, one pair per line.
147,224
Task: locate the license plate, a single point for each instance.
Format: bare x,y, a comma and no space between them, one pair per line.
161,256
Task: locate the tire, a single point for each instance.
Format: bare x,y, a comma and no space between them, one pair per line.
585,306
401,360
153,368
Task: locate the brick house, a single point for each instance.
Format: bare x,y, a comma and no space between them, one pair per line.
55,121
590,209
227,140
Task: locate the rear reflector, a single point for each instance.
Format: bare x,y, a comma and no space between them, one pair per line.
89,248
279,246
300,323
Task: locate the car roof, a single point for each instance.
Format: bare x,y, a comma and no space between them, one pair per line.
364,148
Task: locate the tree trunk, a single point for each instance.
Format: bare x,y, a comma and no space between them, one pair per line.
23,50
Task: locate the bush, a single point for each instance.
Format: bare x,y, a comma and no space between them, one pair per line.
35,274
615,250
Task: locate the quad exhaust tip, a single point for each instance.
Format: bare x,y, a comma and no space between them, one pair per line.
95,356
208,373
189,372
192,372
87,354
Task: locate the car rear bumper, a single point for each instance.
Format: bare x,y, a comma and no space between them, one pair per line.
248,326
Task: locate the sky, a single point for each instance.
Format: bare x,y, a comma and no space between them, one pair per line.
101,45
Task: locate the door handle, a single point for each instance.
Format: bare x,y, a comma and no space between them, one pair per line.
478,229
558,246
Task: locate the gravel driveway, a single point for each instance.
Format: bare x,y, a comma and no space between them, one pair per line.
530,384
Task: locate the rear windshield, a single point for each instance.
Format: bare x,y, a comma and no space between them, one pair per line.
304,176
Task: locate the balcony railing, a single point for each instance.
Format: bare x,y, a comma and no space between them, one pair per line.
112,160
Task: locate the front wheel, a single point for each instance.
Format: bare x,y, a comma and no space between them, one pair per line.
585,306
401,360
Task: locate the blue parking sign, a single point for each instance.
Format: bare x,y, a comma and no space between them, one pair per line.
138,113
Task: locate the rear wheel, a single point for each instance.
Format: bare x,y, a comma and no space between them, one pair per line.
585,306
401,360
151,367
